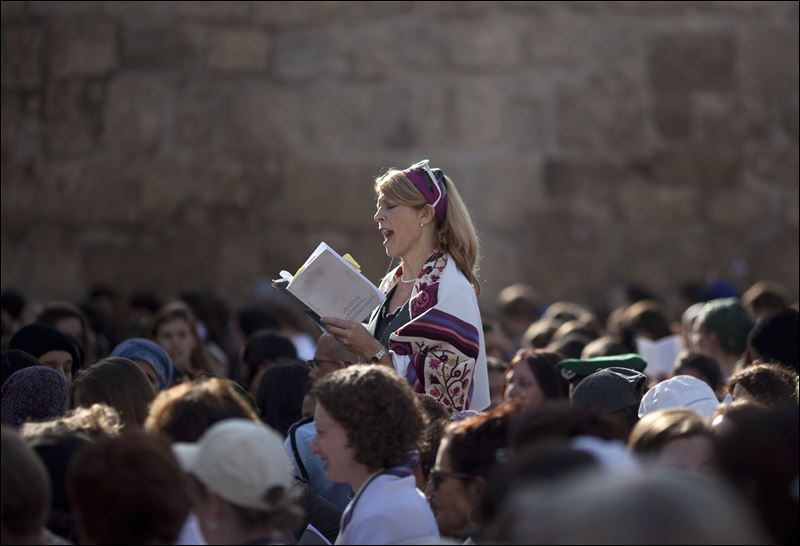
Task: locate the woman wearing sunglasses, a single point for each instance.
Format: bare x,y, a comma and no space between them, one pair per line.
429,327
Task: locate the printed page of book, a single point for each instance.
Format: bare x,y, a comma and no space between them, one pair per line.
331,287
660,355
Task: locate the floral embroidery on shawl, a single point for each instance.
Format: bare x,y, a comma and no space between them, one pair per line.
443,349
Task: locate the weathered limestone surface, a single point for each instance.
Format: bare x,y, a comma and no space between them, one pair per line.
181,145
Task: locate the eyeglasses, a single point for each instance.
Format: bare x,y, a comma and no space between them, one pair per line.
314,362
439,476
425,166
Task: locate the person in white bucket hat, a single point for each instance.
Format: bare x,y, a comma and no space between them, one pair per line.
242,483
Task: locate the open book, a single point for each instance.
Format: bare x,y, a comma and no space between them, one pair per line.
328,285
660,355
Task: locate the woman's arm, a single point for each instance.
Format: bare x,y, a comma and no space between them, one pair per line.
355,337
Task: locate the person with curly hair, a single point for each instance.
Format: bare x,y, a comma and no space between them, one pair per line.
769,384
368,424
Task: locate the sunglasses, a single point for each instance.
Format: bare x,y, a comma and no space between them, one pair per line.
425,165
439,476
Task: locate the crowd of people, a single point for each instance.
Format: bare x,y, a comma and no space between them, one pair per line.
140,422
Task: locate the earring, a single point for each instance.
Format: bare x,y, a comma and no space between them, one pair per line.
421,224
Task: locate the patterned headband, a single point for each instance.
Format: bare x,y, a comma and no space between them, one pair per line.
431,184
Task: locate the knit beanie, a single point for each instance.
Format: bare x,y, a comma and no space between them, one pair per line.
37,393
14,361
38,339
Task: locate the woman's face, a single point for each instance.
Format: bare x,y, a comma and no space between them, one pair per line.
332,446
150,373
451,497
60,361
399,226
177,339
523,386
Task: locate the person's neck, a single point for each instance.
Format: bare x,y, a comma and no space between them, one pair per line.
414,260
358,477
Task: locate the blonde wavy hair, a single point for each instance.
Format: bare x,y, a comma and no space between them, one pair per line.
456,235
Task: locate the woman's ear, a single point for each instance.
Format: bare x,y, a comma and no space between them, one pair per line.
428,214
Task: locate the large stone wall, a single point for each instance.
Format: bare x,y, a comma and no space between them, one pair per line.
204,144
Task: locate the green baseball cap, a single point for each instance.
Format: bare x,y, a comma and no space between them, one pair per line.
575,369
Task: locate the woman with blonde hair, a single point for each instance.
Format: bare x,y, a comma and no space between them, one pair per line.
429,327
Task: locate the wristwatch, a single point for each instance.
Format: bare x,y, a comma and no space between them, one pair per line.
377,357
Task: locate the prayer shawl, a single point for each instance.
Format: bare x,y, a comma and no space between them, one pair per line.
441,351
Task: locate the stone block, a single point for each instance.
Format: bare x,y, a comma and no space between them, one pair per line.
773,165
315,191
501,194
68,127
709,165
770,72
304,55
602,115
746,206
53,8
84,48
147,45
680,63
12,9
283,15
22,66
645,205
242,50
138,111
479,44
52,272
216,11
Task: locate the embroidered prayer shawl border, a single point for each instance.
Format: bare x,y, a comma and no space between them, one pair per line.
443,341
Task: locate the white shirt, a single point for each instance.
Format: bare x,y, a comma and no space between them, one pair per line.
388,510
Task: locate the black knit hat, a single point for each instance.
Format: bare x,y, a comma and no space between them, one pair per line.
13,361
37,339
775,338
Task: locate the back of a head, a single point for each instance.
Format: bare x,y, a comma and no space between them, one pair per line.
25,490
701,366
117,382
558,420
185,412
253,318
518,301
776,338
601,508
35,393
729,321
655,430
15,360
757,452
604,346
765,297
769,384
376,408
128,490
264,347
647,319
472,444
540,333
57,311
281,392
